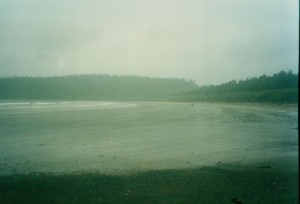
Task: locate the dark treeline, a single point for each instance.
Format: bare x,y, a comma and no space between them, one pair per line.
92,87
282,87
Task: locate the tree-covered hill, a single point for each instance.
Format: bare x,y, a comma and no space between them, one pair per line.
282,87
92,87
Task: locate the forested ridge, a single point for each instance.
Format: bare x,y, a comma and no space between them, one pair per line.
92,87
282,87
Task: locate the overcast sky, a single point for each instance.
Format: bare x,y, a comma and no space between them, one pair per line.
209,41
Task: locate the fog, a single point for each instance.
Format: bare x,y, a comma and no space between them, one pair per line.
208,41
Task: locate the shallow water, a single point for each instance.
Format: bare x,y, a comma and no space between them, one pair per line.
120,137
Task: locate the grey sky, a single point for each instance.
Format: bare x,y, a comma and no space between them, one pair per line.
210,41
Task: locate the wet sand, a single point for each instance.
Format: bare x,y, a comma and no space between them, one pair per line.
268,182
122,138
106,152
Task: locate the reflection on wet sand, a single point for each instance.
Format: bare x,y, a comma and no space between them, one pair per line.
115,137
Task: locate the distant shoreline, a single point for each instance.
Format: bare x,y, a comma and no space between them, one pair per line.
281,88
134,101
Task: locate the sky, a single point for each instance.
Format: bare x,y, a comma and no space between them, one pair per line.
209,41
